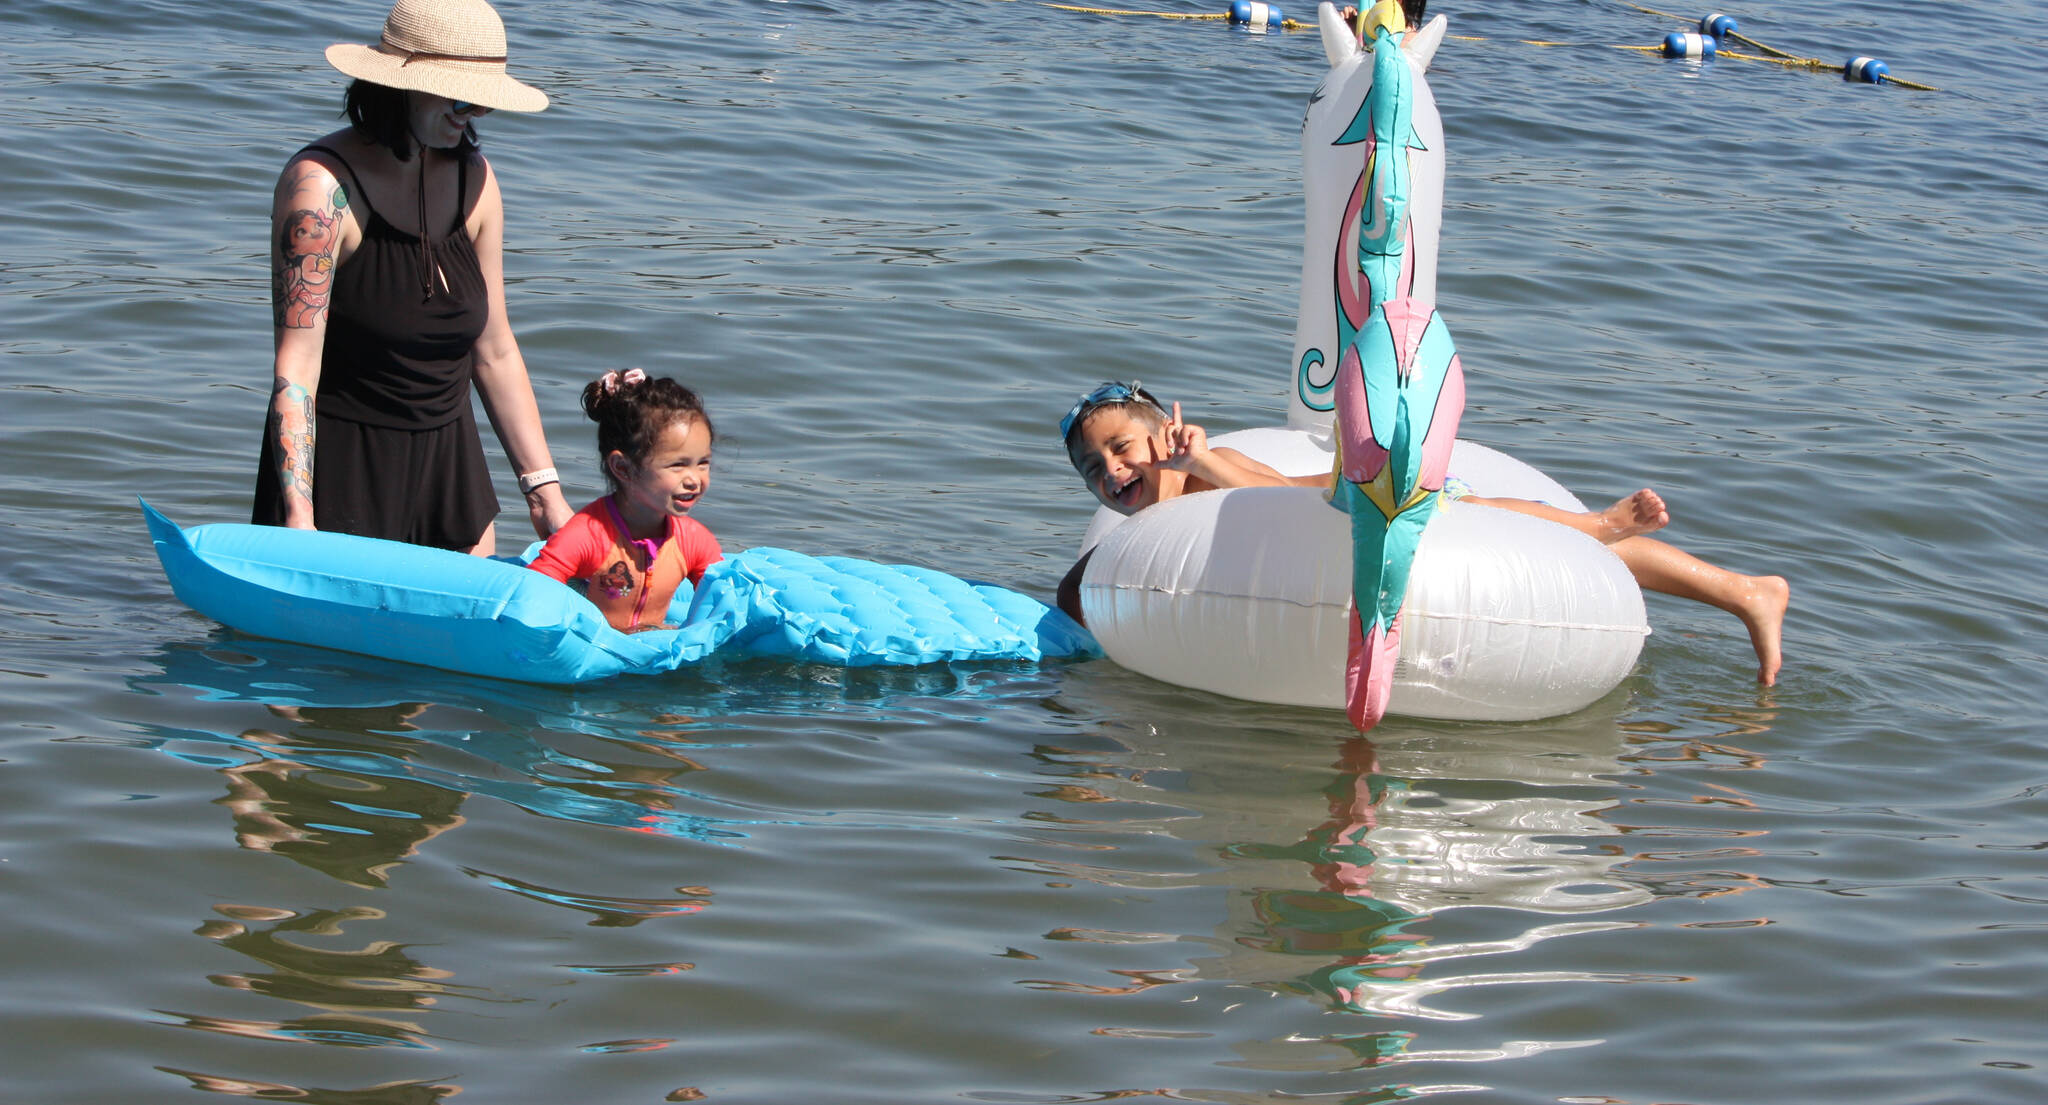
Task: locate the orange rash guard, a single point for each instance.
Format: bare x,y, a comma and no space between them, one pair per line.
630,580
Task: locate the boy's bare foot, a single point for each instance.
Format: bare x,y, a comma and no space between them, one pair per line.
1763,611
1632,516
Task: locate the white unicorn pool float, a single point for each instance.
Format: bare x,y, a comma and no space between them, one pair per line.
1248,592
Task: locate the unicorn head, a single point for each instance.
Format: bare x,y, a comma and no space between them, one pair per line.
1373,213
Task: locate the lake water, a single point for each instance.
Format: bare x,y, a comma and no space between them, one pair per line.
891,241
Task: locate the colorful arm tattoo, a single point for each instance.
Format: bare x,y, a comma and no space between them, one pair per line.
302,277
291,429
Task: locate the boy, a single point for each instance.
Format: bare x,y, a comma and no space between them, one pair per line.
1132,452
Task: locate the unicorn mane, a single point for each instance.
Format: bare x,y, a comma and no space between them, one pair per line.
1373,217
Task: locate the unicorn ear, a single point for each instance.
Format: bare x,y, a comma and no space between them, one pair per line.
1340,42
1421,45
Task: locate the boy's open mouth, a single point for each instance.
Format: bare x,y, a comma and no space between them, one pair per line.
1128,491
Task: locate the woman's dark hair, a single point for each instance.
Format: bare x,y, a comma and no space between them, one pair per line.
384,116
631,416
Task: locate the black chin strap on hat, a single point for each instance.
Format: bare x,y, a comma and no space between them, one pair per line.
429,268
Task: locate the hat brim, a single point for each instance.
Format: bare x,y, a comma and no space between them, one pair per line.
484,83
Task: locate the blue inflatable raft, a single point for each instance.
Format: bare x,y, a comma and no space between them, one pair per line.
498,618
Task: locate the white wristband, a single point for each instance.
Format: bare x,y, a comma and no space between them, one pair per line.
534,481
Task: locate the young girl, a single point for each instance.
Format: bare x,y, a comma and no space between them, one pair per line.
635,546
1132,453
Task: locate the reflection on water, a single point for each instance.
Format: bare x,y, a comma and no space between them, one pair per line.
1396,851
1408,880
352,788
390,1093
353,826
360,995
609,912
1406,884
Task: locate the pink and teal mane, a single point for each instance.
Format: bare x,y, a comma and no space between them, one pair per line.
1399,389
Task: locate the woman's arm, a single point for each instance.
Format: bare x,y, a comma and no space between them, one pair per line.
501,375
309,227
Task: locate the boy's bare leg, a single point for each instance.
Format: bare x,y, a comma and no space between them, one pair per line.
1760,601
1630,516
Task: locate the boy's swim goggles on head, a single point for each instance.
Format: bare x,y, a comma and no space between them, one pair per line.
1112,392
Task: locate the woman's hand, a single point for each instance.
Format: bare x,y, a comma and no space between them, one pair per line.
549,509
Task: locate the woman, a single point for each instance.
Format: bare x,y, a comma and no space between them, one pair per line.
388,290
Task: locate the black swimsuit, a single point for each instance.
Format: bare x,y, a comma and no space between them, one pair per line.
397,453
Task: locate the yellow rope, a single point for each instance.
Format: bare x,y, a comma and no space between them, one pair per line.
1780,56
1155,15
1755,45
1285,24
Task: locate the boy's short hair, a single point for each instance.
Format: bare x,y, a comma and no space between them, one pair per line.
1130,398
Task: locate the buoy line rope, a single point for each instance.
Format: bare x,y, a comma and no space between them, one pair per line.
1286,24
1155,15
1771,53
1776,55
1791,62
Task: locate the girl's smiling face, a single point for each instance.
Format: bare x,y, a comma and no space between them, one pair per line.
1118,455
668,481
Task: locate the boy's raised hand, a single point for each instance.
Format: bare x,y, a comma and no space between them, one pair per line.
1186,443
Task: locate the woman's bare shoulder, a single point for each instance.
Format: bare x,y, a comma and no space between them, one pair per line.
335,155
344,142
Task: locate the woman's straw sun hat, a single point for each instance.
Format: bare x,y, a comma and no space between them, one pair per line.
452,48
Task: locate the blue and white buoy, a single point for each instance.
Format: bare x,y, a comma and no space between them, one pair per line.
1677,45
1256,13
1718,25
1867,70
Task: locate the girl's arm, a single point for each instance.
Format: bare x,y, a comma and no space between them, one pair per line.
700,550
570,553
311,232
1189,451
501,375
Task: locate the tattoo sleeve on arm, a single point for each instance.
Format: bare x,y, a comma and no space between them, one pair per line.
302,275
291,428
